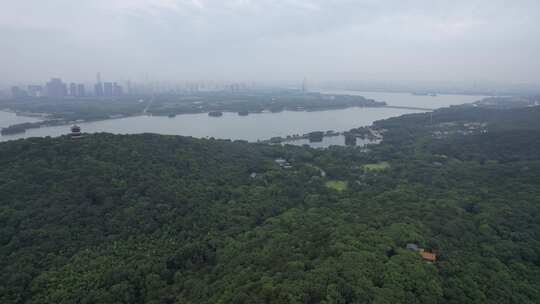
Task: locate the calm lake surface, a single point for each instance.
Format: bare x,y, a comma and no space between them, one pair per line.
230,126
410,100
254,126
7,119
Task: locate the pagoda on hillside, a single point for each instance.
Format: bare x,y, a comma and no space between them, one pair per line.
75,132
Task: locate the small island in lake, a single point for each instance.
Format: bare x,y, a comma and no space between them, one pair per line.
316,136
15,129
215,113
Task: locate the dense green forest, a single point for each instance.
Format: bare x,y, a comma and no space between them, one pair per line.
167,219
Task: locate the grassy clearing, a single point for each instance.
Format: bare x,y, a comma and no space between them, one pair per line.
377,167
336,185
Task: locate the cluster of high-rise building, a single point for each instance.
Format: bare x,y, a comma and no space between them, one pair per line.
107,89
189,87
58,89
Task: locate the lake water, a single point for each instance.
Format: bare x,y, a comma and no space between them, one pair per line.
7,119
254,126
231,126
410,100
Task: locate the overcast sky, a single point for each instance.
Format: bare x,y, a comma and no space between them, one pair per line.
453,40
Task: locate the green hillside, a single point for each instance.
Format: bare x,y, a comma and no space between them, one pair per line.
167,219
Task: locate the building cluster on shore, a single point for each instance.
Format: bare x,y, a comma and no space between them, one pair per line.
57,88
374,136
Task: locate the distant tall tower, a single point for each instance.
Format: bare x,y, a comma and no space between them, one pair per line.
98,87
304,85
73,89
80,90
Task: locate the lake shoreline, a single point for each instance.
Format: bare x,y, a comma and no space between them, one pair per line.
243,126
232,126
61,122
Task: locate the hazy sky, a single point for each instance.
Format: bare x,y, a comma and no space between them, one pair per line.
452,40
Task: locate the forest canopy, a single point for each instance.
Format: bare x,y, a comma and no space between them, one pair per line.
169,219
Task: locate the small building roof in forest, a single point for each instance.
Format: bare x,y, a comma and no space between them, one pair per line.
428,256
412,247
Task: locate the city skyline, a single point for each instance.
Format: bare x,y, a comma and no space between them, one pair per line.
115,88
102,87
56,87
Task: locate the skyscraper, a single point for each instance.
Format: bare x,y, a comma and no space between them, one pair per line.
80,90
108,89
98,87
17,92
117,89
73,89
35,90
304,86
56,88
